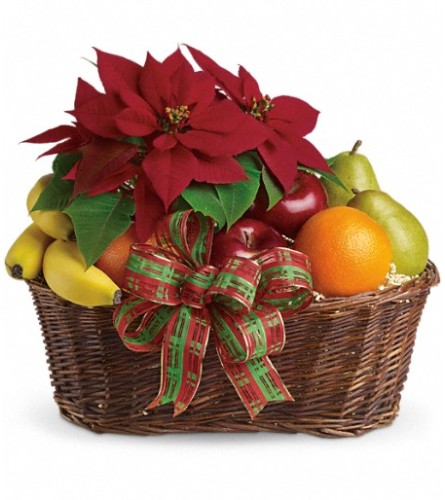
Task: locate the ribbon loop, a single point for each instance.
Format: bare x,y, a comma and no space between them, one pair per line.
286,281
187,235
155,275
177,297
141,324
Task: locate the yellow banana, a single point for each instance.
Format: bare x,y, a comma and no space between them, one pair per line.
52,222
25,257
66,274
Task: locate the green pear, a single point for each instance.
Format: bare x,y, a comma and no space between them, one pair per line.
355,171
408,238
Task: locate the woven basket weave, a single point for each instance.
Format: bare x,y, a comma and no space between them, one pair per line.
345,362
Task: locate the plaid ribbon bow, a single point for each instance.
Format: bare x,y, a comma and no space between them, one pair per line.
177,298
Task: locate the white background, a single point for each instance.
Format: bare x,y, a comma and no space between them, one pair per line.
375,70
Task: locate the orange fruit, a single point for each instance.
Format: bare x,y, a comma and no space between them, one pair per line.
349,252
112,261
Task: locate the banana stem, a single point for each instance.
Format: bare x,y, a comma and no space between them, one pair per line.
17,271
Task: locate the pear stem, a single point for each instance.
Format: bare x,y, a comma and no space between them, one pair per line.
355,147
355,190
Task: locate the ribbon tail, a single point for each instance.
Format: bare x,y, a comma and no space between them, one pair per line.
257,383
183,350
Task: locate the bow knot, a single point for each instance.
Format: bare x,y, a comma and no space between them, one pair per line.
194,288
177,298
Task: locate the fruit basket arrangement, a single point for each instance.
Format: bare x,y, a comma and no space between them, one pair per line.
196,264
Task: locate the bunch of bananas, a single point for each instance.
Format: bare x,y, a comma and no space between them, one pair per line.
46,245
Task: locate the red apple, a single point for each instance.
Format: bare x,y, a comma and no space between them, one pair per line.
306,197
245,238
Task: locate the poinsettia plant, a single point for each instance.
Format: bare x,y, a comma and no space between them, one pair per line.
164,136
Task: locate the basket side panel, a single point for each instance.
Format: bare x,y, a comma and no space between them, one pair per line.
86,360
350,364
344,362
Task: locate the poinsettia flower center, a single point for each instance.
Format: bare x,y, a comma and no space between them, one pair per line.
259,108
174,119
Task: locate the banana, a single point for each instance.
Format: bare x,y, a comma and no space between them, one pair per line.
65,272
25,257
52,222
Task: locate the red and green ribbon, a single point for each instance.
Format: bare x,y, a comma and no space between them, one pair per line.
177,298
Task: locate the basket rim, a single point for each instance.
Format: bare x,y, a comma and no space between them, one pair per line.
428,279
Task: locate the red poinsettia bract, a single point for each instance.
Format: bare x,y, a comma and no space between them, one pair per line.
285,119
190,133
164,125
105,158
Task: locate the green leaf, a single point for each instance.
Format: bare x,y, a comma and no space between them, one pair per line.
98,220
325,175
57,194
331,161
274,191
63,163
180,205
236,198
203,197
250,161
137,141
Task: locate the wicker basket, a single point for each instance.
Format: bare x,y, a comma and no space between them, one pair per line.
345,363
